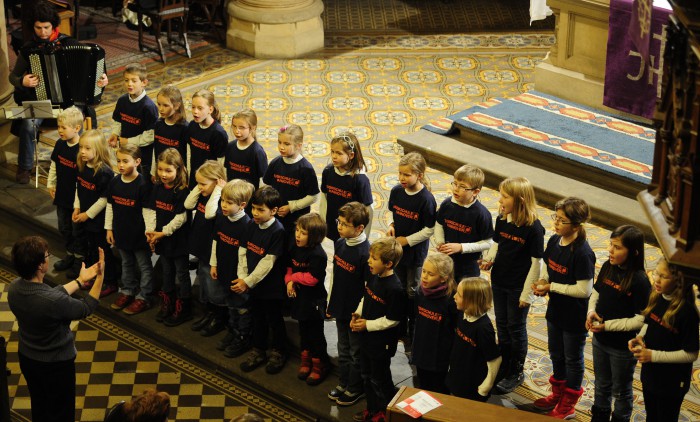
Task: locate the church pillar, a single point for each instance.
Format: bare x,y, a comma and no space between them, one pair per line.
275,28
6,89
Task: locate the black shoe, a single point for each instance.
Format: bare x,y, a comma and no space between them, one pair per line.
64,263
203,321
336,392
193,264
510,383
183,313
228,339
237,348
214,327
255,358
348,398
74,271
276,362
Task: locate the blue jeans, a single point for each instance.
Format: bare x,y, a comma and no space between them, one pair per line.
614,372
240,315
25,156
176,272
511,322
70,232
210,290
349,357
130,259
566,352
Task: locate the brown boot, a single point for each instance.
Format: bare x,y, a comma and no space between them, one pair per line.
319,372
305,365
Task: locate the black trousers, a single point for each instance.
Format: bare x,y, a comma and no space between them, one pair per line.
313,339
51,389
267,316
376,375
663,407
432,380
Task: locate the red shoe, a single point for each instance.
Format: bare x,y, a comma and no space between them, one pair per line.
379,417
552,400
305,366
122,302
319,371
107,290
565,409
137,306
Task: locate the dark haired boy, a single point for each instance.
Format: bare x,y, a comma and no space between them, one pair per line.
346,288
260,272
377,320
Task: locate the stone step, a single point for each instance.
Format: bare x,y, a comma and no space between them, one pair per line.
446,153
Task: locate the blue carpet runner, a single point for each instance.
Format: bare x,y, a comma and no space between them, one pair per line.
565,130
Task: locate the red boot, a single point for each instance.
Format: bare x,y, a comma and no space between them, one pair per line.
319,372
565,409
305,366
552,400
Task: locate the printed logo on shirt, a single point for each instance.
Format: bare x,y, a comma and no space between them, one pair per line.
199,144
255,249
85,184
286,180
614,285
127,202
459,227
657,319
465,337
174,143
371,294
509,236
343,264
129,119
299,264
411,215
227,239
339,192
561,269
238,167
66,162
201,208
164,206
431,315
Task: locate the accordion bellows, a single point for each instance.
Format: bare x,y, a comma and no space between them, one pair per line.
68,74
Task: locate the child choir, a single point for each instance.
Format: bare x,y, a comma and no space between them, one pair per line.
182,188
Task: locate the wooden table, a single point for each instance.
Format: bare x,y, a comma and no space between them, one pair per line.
457,409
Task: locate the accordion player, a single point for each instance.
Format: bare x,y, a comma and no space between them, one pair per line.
67,74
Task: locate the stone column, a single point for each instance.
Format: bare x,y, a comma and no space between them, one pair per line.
6,90
278,29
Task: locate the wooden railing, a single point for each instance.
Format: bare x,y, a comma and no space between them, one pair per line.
672,201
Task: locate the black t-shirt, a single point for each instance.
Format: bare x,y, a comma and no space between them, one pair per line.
350,271
474,345
205,144
411,214
310,302
169,136
464,225
92,187
228,235
262,242
565,266
339,191
167,203
669,378
293,182
249,164
65,158
436,319
136,118
128,200
516,248
613,303
383,297
202,231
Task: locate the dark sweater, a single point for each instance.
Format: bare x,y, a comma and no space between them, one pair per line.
44,315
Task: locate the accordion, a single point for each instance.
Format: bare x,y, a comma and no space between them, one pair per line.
68,74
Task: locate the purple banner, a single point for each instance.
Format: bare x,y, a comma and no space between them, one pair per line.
632,84
640,27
